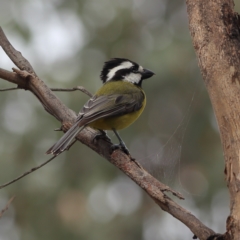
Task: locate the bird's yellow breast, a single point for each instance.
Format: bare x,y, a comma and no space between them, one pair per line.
123,121
118,122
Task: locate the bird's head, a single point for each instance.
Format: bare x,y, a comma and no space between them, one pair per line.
124,69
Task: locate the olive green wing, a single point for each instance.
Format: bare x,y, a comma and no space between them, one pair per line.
109,106
98,107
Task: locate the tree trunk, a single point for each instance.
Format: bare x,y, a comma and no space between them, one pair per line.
215,32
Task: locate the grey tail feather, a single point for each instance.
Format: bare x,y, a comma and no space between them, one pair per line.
62,144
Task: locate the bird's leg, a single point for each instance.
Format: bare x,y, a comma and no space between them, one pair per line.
121,144
102,135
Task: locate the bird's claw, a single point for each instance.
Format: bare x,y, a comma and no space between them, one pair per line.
121,147
102,135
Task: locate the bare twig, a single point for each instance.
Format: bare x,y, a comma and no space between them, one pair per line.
26,173
14,77
7,206
8,89
78,88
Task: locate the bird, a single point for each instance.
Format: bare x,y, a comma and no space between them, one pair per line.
115,106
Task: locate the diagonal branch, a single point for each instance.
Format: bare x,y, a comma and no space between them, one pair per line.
15,55
54,106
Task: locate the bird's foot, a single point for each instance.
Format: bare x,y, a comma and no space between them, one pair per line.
102,135
122,147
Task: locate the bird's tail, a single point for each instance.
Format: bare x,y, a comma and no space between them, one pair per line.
63,143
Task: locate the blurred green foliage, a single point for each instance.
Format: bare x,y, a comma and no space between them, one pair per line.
80,195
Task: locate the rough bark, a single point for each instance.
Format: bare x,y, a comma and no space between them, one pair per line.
215,32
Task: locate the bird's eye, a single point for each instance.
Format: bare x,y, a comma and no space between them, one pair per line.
134,69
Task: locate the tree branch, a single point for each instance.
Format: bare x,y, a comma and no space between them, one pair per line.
53,105
15,55
13,78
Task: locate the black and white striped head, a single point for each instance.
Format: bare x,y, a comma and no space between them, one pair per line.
124,69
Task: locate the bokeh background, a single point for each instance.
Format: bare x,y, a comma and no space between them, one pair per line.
80,195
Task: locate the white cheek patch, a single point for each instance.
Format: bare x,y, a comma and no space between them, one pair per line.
133,77
112,72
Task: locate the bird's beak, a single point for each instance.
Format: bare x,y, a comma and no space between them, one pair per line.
147,74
